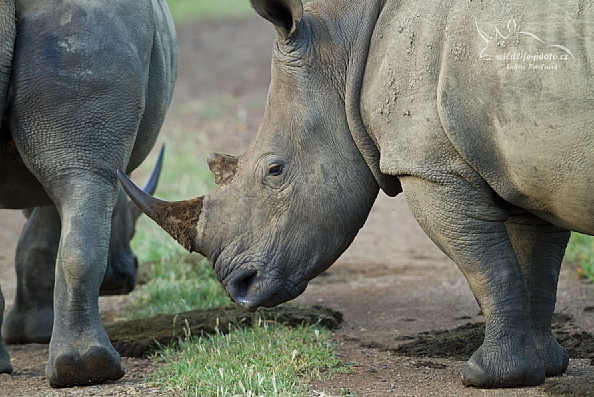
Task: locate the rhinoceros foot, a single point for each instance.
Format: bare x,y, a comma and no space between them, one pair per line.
5,365
554,357
32,326
493,369
90,365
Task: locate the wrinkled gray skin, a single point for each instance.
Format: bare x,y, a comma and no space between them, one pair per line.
482,112
85,87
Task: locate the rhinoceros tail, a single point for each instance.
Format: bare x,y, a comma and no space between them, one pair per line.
7,39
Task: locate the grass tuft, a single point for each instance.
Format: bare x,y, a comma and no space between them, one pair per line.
177,285
265,360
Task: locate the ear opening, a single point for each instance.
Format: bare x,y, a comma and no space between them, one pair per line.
284,14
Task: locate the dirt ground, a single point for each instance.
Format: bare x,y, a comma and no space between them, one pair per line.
390,283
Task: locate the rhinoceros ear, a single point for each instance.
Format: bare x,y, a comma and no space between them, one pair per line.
223,167
284,14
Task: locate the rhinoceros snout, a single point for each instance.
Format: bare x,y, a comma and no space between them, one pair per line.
249,290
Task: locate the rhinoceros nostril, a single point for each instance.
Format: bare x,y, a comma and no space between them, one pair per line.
239,290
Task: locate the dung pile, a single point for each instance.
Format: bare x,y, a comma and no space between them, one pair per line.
138,338
461,342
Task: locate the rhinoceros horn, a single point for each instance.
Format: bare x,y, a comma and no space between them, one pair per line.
223,167
178,218
153,180
151,184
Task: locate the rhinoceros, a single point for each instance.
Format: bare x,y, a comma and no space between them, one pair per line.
84,88
31,317
482,112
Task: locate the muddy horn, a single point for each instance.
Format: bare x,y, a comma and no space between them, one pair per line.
178,218
151,184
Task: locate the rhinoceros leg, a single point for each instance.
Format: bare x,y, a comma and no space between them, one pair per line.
465,219
5,365
82,183
80,351
31,318
540,247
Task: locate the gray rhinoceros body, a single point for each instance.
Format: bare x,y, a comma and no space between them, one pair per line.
505,88
89,83
480,111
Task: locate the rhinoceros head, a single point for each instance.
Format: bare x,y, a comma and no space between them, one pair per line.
293,202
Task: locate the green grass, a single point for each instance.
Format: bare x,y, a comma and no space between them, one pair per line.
187,9
265,360
178,285
581,250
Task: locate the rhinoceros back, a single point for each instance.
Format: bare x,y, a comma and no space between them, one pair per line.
508,85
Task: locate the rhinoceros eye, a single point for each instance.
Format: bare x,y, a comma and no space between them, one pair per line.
276,169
